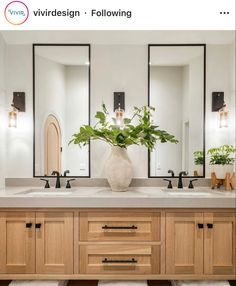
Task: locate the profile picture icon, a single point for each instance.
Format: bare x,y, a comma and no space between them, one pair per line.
16,12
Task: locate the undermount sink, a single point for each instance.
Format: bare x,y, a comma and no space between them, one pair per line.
189,193
44,192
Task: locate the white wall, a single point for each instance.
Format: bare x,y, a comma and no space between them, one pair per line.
113,68
2,111
19,141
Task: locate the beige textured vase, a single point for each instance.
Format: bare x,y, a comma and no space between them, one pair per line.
222,170
119,169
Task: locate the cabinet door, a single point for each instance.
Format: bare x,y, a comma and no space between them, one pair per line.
219,243
17,242
54,242
184,243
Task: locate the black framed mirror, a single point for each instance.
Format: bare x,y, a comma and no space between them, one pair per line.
176,88
61,104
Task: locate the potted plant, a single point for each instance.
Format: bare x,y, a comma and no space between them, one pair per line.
198,157
137,130
222,160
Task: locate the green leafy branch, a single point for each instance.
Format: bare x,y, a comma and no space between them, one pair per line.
143,133
222,155
198,157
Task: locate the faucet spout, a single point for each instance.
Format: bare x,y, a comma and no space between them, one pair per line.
180,181
58,183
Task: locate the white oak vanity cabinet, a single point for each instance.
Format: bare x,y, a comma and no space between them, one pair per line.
115,243
36,242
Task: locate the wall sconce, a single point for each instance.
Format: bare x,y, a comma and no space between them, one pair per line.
218,105
18,105
223,116
119,107
12,117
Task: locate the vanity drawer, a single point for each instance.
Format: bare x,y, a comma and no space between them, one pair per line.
119,259
120,226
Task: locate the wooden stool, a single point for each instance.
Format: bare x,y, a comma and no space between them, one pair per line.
228,182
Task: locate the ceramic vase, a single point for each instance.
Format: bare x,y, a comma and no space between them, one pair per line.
119,169
222,170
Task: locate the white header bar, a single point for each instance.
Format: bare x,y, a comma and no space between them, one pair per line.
117,15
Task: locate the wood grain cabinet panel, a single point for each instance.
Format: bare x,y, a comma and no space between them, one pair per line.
119,259
17,242
184,243
120,226
219,243
54,242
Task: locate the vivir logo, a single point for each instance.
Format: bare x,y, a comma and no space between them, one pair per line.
16,12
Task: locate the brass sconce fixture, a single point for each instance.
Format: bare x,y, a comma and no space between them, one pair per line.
218,105
18,105
119,107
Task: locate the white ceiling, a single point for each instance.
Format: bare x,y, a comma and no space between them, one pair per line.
174,56
66,55
119,37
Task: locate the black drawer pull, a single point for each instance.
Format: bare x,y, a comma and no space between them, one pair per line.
28,225
106,260
119,227
38,225
200,225
210,225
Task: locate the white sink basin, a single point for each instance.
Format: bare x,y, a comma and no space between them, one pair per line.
189,193
44,192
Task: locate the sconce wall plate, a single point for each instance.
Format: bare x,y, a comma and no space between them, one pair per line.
119,100
19,101
217,100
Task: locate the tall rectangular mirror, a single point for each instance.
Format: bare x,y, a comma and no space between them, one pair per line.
177,91
61,93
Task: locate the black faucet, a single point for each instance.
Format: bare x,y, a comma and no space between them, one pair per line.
58,183
66,172
180,182
171,172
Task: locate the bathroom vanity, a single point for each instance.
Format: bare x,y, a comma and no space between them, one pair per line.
75,235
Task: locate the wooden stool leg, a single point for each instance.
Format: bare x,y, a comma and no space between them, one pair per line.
195,173
227,182
213,180
232,182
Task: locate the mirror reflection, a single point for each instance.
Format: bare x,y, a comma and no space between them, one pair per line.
61,103
176,90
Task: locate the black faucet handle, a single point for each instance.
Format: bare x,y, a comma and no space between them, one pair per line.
191,186
171,172
169,184
68,186
47,186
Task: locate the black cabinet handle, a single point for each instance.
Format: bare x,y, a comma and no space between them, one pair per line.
38,225
28,225
210,225
200,225
106,260
119,227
